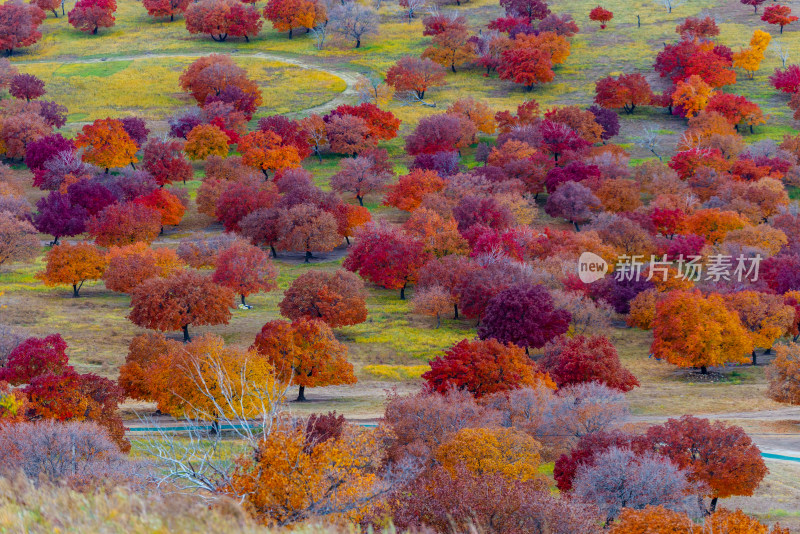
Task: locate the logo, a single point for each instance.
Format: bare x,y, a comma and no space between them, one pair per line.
591,267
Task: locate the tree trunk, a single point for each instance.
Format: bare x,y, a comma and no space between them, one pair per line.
55,243
301,395
290,33
162,231
781,29
438,321
56,15
577,228
308,256
243,302
272,250
358,43
403,292
360,200
768,350
453,67
319,155
266,174
75,290
347,240
755,358
172,17
94,31
713,504
455,311
703,370
215,427
186,337
246,38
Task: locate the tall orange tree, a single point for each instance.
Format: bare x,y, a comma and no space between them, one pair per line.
305,353
691,330
265,152
765,317
106,144
73,265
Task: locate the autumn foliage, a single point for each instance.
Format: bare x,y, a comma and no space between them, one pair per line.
483,367
183,298
304,353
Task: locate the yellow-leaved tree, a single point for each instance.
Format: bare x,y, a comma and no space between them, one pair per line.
749,59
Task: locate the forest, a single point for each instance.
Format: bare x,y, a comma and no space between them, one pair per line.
399,266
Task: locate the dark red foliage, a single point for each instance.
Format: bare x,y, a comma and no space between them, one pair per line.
53,113
608,119
574,171
482,210
525,316
322,427
57,217
559,24
33,357
558,138
443,163
241,100
386,256
435,133
26,87
529,10
667,222
580,359
684,245
166,162
290,132
481,367
588,448
618,293
240,199
782,273
90,195
180,125
137,129
39,151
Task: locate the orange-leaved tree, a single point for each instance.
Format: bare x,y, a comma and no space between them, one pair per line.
72,265
264,151
290,478
509,452
106,144
205,140
691,95
130,265
185,297
305,353
336,298
784,374
719,458
167,204
764,316
205,379
691,330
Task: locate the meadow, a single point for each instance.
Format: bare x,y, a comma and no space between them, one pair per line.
133,69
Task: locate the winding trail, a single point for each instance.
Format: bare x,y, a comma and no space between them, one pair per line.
348,77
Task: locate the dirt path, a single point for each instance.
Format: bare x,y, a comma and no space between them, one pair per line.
348,77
